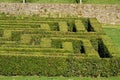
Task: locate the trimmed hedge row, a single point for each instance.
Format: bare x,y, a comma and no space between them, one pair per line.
104,46
63,26
77,44
95,25
111,48
15,35
35,18
67,46
31,65
45,26
58,66
51,21
36,51
80,26
1,32
55,24
82,46
89,49
62,48
61,34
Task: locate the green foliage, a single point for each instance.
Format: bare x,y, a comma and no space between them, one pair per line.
56,44
32,65
67,46
95,25
33,40
63,26
1,32
15,36
114,34
102,50
89,50
7,33
91,67
77,47
71,26
58,66
79,26
45,26
45,42
101,1
55,47
26,39
56,78
54,26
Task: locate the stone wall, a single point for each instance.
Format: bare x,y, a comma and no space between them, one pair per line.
109,14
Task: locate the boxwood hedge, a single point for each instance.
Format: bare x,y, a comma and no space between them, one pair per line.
12,65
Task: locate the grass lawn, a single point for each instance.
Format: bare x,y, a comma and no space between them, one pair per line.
42,1
68,1
55,78
114,34
101,1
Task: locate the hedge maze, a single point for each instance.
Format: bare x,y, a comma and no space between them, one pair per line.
55,47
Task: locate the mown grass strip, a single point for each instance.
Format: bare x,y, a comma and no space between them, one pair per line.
80,26
55,78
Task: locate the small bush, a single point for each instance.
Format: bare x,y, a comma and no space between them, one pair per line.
56,44
95,25
1,32
15,36
79,26
58,66
63,26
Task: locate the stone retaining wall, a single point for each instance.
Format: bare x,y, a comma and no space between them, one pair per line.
109,14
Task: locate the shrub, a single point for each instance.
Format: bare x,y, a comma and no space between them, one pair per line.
102,49
67,46
45,26
56,43
111,48
58,66
63,26
54,26
32,65
1,32
71,26
56,47
15,35
95,25
45,42
77,47
89,49
79,26
26,39
7,33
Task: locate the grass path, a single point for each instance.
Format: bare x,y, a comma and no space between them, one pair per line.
111,25
101,1
113,31
55,78
114,34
